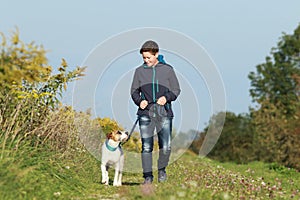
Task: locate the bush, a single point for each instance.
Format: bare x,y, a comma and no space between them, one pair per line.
29,93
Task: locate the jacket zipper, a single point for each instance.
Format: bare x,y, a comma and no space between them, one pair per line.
153,90
153,85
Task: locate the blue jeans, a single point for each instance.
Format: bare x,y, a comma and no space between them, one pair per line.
163,127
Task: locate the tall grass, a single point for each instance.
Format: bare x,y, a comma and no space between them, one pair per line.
47,162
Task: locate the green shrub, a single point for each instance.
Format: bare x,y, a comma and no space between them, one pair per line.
29,93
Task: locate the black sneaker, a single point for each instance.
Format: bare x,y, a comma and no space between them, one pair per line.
148,180
162,176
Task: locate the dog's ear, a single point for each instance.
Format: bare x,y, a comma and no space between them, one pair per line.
109,135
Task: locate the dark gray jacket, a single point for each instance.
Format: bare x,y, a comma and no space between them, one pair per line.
150,83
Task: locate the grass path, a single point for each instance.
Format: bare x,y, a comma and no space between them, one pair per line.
191,177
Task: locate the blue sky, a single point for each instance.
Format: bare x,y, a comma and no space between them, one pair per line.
236,34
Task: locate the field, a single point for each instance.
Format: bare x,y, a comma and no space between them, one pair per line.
34,173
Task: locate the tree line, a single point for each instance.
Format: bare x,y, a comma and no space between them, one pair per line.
270,132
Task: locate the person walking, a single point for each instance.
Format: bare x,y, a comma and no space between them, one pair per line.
154,87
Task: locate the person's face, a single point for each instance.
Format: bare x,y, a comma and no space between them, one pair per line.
150,59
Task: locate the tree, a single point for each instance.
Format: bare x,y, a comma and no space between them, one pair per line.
275,86
277,80
236,141
278,138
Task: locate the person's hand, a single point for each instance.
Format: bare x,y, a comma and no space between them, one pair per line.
143,104
162,100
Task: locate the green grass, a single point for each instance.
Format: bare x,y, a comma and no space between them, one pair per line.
32,173
192,177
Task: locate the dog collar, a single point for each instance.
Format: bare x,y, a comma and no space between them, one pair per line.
110,147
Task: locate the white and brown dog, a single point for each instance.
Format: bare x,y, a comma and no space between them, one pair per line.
112,154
